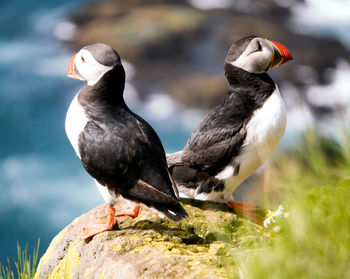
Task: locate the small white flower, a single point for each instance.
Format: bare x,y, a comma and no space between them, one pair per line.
272,215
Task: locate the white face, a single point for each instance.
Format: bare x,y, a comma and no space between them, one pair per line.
88,68
257,57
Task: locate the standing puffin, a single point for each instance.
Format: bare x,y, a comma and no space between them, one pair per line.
118,148
236,137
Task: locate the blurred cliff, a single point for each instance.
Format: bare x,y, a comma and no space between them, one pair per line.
178,47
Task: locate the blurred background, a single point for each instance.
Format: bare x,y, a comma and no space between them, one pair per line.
173,52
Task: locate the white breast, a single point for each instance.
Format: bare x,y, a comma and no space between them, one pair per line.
75,123
264,131
267,126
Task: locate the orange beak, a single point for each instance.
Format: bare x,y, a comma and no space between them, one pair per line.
281,55
70,72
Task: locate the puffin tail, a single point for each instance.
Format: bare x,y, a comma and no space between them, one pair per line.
174,159
174,212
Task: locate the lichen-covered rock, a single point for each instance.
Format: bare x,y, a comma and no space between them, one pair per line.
148,246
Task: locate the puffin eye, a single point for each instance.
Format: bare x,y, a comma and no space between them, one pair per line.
259,47
82,59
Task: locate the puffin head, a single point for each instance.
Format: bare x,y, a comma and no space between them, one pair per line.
92,62
257,55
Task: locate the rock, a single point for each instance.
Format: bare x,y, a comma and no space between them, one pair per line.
138,31
152,247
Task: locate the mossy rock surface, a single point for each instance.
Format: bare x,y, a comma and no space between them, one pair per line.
148,246
138,31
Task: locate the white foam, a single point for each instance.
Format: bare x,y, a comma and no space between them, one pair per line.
210,4
299,119
322,18
336,93
299,115
162,110
160,106
53,66
35,183
65,30
334,96
26,57
19,51
322,12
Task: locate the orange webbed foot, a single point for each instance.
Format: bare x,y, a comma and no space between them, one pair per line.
132,214
249,211
101,226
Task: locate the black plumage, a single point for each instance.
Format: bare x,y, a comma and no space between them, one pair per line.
219,137
119,148
236,137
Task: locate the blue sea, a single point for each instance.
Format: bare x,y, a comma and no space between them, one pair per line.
42,183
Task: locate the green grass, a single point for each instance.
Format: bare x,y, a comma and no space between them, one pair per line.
314,240
25,264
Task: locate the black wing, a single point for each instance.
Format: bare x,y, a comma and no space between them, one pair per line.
156,169
121,153
218,139
215,141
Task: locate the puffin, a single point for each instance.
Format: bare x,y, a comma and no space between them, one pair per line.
236,137
118,148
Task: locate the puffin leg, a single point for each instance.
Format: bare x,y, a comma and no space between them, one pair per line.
249,211
132,213
99,227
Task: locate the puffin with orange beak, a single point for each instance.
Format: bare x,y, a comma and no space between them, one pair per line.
118,148
236,137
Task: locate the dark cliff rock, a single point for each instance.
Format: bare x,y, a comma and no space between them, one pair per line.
170,42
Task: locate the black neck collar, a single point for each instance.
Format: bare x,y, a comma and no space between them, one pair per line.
239,77
247,91
109,89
